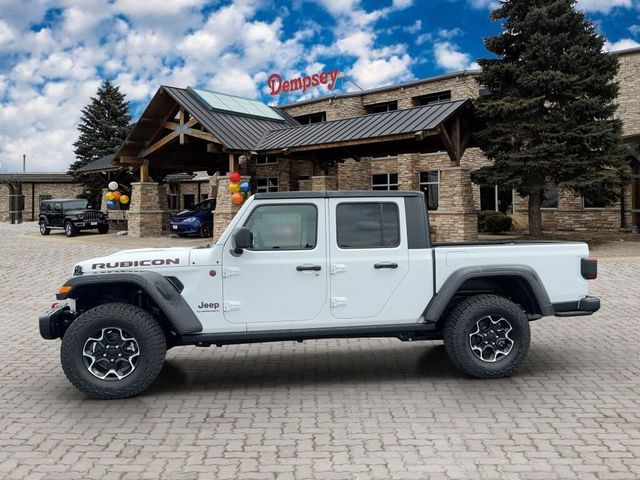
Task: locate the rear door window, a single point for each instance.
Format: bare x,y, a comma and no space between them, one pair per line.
368,225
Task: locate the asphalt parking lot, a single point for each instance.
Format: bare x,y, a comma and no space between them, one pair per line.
331,409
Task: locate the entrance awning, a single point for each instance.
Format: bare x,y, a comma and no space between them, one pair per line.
413,130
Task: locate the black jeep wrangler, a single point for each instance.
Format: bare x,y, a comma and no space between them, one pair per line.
72,215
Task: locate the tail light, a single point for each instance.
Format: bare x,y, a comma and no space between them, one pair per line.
589,268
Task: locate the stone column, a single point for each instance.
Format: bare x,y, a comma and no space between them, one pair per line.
149,212
213,185
4,203
225,210
103,201
407,178
322,183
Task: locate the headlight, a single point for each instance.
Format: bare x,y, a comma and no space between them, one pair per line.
80,217
190,219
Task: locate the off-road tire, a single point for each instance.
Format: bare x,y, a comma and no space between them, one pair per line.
460,324
103,229
69,229
206,229
44,230
148,334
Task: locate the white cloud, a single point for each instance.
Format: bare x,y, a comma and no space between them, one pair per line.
481,4
622,44
156,8
450,58
603,6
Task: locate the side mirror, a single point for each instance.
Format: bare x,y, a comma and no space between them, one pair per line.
242,239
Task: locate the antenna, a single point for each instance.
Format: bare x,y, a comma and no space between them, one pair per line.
24,162
351,81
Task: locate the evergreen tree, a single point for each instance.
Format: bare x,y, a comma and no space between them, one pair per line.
549,116
103,127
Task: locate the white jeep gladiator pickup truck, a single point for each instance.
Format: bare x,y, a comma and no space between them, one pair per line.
310,265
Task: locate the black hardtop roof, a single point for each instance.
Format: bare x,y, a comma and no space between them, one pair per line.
337,194
64,200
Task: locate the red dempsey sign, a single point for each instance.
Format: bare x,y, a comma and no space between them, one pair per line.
277,85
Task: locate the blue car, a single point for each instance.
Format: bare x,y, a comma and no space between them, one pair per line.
196,220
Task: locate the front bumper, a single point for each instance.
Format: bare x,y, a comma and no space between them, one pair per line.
182,228
54,321
584,306
90,223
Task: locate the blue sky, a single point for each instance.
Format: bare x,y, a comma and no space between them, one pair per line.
55,53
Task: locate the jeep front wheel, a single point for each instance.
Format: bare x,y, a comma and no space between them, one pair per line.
487,336
69,229
44,230
112,351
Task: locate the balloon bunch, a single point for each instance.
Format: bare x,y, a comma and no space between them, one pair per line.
239,191
114,197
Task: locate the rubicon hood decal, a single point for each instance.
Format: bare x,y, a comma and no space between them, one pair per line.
136,263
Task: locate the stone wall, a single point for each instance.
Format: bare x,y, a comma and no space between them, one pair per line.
628,98
352,105
32,192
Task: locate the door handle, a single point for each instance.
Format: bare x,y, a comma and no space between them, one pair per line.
305,268
380,265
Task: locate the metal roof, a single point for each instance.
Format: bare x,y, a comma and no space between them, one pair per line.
235,131
397,122
37,177
103,164
234,104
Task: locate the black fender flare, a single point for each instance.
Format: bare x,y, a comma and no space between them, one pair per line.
439,302
161,290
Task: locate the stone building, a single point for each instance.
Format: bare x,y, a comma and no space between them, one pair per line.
33,188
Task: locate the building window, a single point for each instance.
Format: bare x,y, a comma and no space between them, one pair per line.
430,186
437,97
312,118
266,185
382,107
367,225
204,196
283,227
594,201
188,200
384,181
550,196
303,178
266,160
496,198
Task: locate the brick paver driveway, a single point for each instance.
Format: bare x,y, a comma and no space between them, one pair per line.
351,409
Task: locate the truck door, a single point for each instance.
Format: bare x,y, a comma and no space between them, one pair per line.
368,254
283,277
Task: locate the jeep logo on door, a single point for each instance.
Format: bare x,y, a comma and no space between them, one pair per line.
208,307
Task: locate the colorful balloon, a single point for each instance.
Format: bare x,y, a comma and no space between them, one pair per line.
111,204
110,196
234,187
234,177
113,185
237,198
244,195
124,199
117,195
244,187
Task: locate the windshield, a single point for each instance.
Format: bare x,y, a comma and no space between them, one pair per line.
75,205
206,205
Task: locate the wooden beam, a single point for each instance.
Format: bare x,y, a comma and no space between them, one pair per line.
181,132
448,144
144,171
209,137
163,142
135,161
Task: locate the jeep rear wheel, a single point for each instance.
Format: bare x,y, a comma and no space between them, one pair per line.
115,350
69,229
44,230
487,336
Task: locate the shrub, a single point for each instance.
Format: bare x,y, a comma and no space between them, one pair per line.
497,223
482,218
